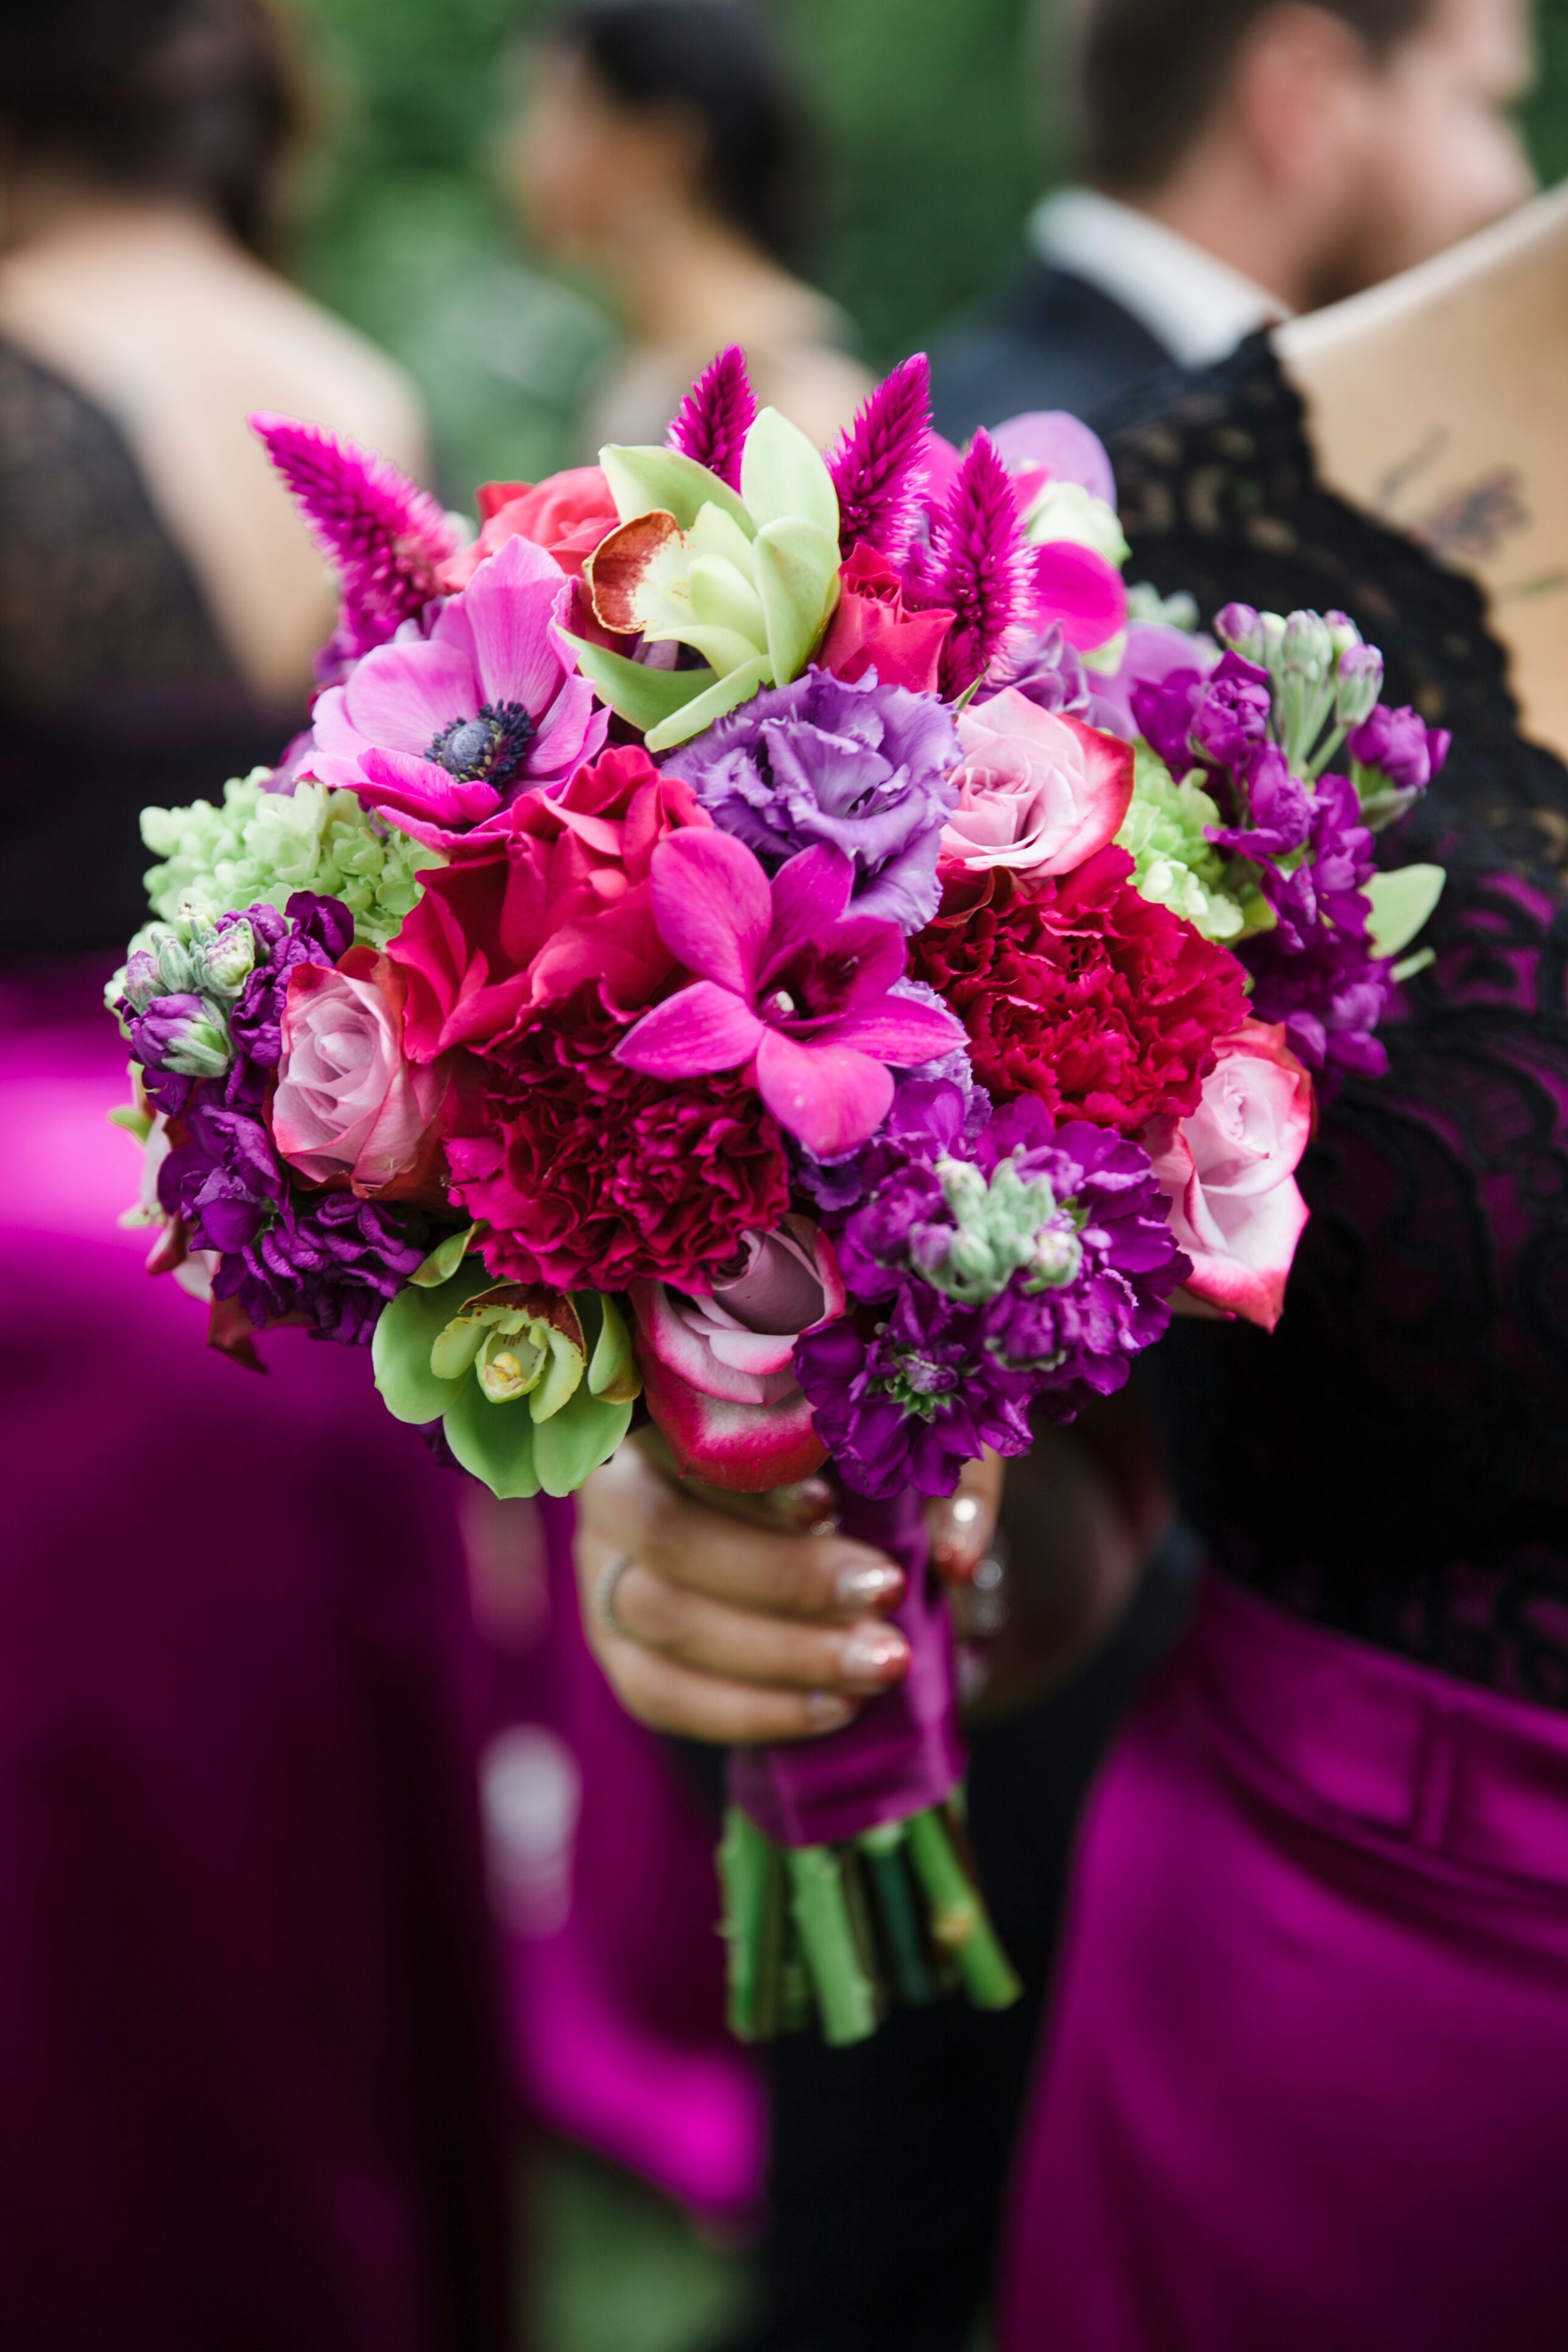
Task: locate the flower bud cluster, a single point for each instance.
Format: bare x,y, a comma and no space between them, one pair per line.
1325,679
181,983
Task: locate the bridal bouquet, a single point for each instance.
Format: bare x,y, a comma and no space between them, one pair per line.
782,946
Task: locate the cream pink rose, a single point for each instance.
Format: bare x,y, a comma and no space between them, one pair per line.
1038,793
1229,1174
349,1107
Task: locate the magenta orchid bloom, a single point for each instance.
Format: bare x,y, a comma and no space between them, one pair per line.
788,984
445,731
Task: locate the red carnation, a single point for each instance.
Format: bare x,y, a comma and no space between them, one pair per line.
1080,993
589,1174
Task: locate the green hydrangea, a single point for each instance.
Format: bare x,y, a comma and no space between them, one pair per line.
264,846
1177,867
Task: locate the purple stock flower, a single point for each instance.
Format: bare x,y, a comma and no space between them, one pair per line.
1401,745
313,930
1279,811
385,537
1317,972
1025,1262
326,1259
1230,718
716,413
788,983
863,766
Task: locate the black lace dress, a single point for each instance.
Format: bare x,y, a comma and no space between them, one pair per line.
1393,1460
115,688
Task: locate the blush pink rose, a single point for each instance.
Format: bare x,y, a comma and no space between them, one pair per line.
716,1365
1229,1174
350,1108
1038,793
567,515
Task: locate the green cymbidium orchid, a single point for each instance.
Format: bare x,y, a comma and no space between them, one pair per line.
748,582
534,1390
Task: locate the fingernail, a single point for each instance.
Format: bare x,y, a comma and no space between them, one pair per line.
870,1584
828,1710
873,1656
809,1506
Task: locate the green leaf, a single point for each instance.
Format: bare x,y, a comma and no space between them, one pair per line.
494,1442
725,694
783,478
613,1371
654,481
644,697
409,1326
1422,960
134,1121
797,568
1402,906
443,1263
569,1447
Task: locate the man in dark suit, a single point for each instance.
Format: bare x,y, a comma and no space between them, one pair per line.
1241,160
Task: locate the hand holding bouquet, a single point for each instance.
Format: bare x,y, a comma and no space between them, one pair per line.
782,946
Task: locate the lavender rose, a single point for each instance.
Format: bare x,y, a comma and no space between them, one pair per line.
863,766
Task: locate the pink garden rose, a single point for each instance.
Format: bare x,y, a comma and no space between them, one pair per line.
1037,792
1229,1172
349,1107
872,630
716,1364
567,514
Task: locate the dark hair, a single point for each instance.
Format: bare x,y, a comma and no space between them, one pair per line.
1151,72
188,98
713,59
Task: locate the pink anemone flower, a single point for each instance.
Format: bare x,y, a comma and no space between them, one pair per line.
445,731
789,987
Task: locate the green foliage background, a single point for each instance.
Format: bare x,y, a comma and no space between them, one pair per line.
933,118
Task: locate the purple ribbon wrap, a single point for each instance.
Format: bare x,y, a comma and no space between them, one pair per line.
903,1754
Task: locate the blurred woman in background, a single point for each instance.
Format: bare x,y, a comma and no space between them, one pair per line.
662,150
251,2068
159,603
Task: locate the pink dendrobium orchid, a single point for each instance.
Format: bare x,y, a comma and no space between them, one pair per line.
788,984
444,731
1229,1174
717,1365
1077,591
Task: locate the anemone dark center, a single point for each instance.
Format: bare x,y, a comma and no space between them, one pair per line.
489,748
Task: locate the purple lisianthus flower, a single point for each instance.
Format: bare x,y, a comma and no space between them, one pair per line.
1048,1253
442,732
313,930
863,767
326,1259
1047,671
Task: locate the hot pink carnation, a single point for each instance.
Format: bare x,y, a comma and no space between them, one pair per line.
567,514
556,893
348,1109
1229,1172
1036,792
591,1174
1080,993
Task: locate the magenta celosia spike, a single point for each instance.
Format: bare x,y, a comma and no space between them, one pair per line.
383,534
716,415
977,565
878,468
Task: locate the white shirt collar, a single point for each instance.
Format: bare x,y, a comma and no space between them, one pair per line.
1196,305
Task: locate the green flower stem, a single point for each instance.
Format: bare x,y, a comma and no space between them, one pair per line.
888,1871
845,1995
958,1917
746,1863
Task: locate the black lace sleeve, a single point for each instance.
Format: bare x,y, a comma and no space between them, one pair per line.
1394,1459
115,688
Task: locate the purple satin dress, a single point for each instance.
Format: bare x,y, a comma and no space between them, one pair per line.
1305,2082
252,2070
